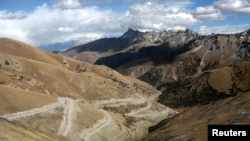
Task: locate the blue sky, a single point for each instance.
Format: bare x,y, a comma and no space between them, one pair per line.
49,21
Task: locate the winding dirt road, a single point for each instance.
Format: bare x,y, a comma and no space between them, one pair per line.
108,118
34,111
66,123
100,127
69,105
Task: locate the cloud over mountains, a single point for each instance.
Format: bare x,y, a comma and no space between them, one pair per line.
74,19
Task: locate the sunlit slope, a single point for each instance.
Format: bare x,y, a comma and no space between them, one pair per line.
26,67
15,100
53,97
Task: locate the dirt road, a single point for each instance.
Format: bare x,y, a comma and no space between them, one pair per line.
67,120
100,127
34,111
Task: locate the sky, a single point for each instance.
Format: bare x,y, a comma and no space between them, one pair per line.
52,21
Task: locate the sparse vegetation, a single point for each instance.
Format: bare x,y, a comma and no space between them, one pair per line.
123,109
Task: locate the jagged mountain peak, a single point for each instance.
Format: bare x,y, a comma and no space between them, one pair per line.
131,33
158,37
131,41
190,31
130,30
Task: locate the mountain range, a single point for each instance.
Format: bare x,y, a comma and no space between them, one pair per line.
194,72
170,59
149,86
59,46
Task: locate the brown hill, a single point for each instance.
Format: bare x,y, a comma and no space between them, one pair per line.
192,124
52,97
208,86
27,67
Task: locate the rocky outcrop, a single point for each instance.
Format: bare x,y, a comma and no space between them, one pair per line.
202,54
208,69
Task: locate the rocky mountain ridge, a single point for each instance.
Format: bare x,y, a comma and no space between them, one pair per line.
131,41
168,59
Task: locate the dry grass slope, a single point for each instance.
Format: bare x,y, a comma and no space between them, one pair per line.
31,79
16,131
192,123
27,67
15,100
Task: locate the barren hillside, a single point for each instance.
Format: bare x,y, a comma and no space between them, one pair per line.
38,87
192,124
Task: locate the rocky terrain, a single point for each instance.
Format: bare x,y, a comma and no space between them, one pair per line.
170,59
45,96
132,46
202,77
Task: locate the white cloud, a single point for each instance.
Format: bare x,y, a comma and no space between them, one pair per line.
96,0
65,29
154,16
68,4
74,4
224,29
68,20
207,13
12,15
45,25
242,6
